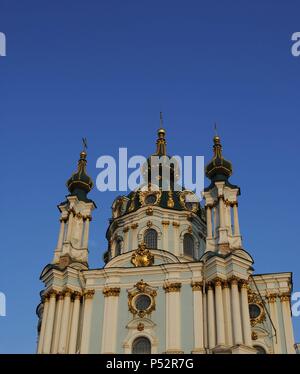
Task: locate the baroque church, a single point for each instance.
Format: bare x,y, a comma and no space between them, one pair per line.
176,276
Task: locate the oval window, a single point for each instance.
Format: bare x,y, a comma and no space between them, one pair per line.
254,311
150,199
142,302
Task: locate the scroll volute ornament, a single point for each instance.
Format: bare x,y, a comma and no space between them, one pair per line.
142,256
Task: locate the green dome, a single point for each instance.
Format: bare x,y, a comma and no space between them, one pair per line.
80,183
173,200
153,193
218,169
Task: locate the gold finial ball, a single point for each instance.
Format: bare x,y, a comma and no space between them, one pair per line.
161,132
83,154
217,139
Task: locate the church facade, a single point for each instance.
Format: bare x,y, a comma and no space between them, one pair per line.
176,278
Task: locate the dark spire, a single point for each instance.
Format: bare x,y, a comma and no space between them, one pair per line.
161,144
80,184
218,169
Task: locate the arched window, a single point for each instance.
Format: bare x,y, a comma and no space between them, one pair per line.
259,350
188,245
150,238
141,345
118,247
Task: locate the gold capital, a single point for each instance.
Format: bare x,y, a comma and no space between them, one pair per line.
244,283
172,287
88,294
218,282
285,297
197,286
271,298
111,291
234,280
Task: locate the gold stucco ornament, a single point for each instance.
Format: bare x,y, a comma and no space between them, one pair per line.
142,256
141,300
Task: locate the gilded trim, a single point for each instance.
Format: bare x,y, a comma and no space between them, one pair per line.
88,294
142,256
111,291
197,286
141,288
172,287
285,297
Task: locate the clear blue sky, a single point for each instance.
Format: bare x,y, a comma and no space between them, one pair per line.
104,70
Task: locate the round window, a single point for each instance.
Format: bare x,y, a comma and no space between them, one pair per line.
254,311
142,302
150,199
190,206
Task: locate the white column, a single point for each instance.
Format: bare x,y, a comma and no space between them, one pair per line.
236,220
221,212
274,318
110,320
215,221
70,226
173,328
211,317
209,222
236,312
205,319
49,323
85,241
61,234
86,326
287,322
62,345
43,327
75,323
228,218
245,314
227,314
219,313
198,317
165,235
134,240
126,247
176,239
57,323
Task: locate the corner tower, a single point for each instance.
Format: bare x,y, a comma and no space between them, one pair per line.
223,232
75,218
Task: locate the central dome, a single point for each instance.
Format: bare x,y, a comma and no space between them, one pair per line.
160,187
